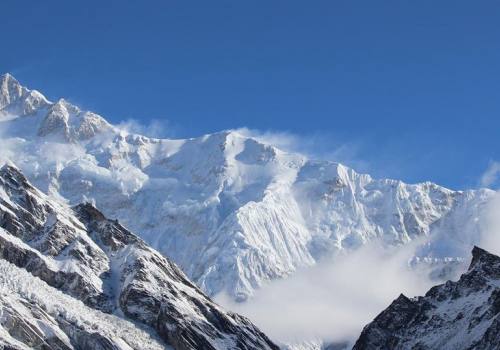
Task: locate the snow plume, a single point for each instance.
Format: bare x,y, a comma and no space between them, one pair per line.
316,146
491,176
53,152
37,156
9,147
155,128
490,217
490,236
333,300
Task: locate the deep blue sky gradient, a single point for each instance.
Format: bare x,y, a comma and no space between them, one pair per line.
411,87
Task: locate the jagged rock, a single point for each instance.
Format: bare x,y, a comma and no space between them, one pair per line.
455,315
48,241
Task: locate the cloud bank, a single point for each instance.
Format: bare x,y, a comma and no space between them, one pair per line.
333,300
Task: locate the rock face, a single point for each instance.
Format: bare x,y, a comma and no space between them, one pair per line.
229,209
97,261
455,315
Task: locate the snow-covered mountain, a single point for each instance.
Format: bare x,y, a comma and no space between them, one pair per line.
231,210
455,315
63,267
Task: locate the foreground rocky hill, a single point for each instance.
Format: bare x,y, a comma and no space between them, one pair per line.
455,315
72,279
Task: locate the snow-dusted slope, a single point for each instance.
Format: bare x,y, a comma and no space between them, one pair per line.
233,212
37,316
104,266
456,315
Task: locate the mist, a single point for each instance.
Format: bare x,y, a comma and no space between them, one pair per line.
333,300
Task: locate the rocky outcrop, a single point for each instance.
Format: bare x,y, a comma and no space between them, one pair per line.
455,315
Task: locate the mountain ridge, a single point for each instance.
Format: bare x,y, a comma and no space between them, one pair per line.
232,211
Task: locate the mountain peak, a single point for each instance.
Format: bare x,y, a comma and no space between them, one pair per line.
7,77
10,168
8,82
16,99
10,174
10,90
483,260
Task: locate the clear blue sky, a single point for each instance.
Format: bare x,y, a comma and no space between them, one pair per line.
412,86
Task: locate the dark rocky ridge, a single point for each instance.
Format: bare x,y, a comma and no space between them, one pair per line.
455,315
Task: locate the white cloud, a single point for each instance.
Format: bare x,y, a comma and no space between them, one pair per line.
333,300
491,176
9,147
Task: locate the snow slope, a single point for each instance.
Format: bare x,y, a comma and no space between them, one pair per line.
34,315
232,211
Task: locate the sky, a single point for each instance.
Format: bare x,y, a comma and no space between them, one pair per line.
401,89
